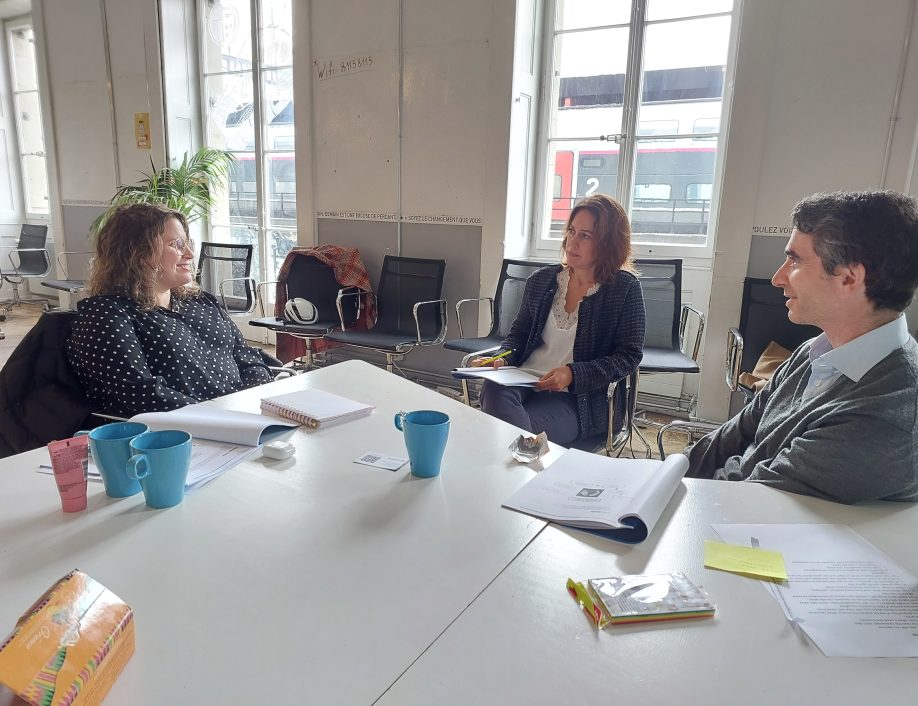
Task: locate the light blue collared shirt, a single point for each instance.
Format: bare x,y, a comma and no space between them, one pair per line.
854,358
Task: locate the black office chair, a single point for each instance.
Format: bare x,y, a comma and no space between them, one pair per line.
71,286
504,307
410,312
763,319
667,322
28,260
225,271
310,278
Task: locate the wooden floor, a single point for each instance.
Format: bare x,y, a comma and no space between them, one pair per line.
17,325
21,319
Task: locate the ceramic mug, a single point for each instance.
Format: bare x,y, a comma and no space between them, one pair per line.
426,432
110,445
160,462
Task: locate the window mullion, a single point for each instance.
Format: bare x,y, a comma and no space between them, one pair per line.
261,200
632,96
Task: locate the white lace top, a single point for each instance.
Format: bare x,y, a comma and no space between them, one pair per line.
560,330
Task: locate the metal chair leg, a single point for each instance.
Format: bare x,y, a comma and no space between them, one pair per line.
465,392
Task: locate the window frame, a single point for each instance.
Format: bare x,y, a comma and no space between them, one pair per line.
21,172
542,246
263,227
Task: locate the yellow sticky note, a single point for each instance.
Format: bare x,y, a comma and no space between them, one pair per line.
750,561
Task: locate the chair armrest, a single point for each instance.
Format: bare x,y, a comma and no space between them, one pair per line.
691,428
683,322
617,443
471,356
459,304
261,298
253,284
21,250
348,292
62,261
734,357
441,336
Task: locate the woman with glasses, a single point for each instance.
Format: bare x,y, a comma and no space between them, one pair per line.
147,338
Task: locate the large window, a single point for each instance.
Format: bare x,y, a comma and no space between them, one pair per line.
27,110
633,110
248,109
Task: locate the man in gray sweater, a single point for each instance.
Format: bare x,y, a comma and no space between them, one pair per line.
839,419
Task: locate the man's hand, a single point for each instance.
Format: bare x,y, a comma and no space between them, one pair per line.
556,379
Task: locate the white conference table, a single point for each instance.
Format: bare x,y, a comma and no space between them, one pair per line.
524,641
317,580
311,580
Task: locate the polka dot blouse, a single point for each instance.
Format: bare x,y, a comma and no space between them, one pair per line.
131,361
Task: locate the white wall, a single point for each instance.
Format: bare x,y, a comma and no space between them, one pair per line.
101,63
814,88
437,159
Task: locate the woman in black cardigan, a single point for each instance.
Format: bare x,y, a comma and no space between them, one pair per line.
580,326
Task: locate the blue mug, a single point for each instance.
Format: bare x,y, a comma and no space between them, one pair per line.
425,434
111,448
160,462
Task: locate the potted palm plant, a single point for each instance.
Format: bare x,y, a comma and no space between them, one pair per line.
188,187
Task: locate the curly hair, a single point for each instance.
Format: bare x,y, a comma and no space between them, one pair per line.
613,233
877,229
129,241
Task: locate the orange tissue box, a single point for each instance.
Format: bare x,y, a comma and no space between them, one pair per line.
70,646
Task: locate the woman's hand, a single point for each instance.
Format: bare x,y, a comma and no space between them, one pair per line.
479,362
556,379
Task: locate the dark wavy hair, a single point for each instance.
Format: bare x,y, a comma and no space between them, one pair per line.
129,241
877,229
613,233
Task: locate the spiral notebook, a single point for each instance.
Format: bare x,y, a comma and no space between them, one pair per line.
315,408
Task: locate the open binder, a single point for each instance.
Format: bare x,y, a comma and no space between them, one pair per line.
615,498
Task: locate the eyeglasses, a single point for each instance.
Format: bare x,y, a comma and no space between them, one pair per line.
179,244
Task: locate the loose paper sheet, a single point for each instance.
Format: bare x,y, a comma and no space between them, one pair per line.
209,459
507,375
844,593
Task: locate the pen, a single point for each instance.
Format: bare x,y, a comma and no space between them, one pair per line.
488,361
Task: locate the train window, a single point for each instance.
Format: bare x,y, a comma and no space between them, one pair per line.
591,162
699,192
658,127
556,191
705,127
652,191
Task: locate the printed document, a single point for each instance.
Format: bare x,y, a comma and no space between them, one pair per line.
217,424
849,597
507,375
209,459
616,498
